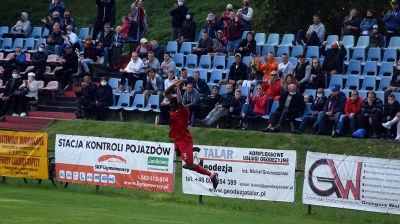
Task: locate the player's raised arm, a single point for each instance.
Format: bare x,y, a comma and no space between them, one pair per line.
178,93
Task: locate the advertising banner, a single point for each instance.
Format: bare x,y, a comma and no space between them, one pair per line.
352,182
23,154
115,162
260,174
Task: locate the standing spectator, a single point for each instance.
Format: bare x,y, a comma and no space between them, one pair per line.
117,46
52,21
151,63
69,62
178,14
67,21
219,47
256,76
351,24
105,43
11,87
394,83
30,93
140,17
188,32
390,110
154,86
248,45
143,49
257,106
191,97
351,111
38,61
157,50
302,72
367,24
272,87
167,65
55,41
371,113
333,61
85,96
237,73
234,34
16,62
103,99
213,25
57,6
22,28
245,15
89,55
133,72
375,39
200,84
236,104
225,17
289,79
125,27
205,45
104,8
221,108
314,36
112,15
392,20
317,77
269,65
285,67
69,39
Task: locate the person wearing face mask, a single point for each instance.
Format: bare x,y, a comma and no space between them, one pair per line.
31,87
38,61
351,111
178,14
104,11
367,24
103,46
394,83
11,88
390,110
69,39
50,24
16,62
290,104
316,107
67,21
22,28
333,61
57,6
245,15
212,25
188,32
103,99
157,50
89,55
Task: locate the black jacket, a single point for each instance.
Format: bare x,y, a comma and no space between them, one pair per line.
201,87
337,103
213,27
71,62
11,87
104,10
296,104
395,79
39,59
238,73
159,53
104,94
178,16
391,110
189,28
89,91
225,100
237,104
107,39
315,106
375,108
248,47
205,45
338,55
211,100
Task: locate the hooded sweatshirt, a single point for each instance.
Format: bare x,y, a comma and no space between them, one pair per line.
189,28
23,27
167,66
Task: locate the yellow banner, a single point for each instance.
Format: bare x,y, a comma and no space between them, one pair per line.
24,154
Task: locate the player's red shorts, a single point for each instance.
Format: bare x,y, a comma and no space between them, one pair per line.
186,149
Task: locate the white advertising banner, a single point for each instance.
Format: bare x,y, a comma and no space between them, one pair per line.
352,182
259,174
115,162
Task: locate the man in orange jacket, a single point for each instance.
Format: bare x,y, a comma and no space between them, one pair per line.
269,65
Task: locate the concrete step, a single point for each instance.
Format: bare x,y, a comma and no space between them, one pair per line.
61,104
56,109
49,114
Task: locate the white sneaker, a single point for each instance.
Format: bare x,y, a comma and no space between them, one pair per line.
15,115
397,138
126,91
23,114
387,125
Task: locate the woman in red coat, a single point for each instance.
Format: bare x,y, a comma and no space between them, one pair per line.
125,27
257,106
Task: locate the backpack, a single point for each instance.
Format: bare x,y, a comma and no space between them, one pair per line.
308,98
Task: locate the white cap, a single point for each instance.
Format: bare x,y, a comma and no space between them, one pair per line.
31,74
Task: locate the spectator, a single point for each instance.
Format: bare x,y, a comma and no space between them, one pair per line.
158,50
140,17
11,87
57,6
167,65
205,45
151,63
69,39
190,98
269,65
236,104
133,27
208,102
143,49
69,62
367,24
225,17
237,73
38,61
105,43
85,96
371,113
351,111
28,92
285,67
390,110
234,34
143,87
178,14
314,36
302,72
272,87
290,104
133,71
55,41
125,27
89,55
104,8
219,47
317,78
16,62
22,28
155,85
375,39
221,108
188,32
67,21
351,24
333,61
394,83
188,79
316,107
392,20
289,79
117,46
392,122
103,99
257,106
248,45
213,25
52,21
333,109
170,80
256,76
200,84
245,15
112,15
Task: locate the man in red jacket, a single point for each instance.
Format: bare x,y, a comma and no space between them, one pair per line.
272,87
351,110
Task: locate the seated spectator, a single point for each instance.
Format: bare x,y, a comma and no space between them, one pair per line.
188,32
11,87
375,39
52,21
125,27
247,46
314,36
291,103
117,47
67,21
390,110
133,71
155,85
89,55
143,49
151,63
143,87
54,41
392,122
103,47
367,24
351,24
237,73
69,62
351,111
85,96
302,72
333,109
317,77
221,108
257,106
167,65
333,61
22,28
371,113
205,45
272,88
170,80
234,27
38,61
256,76
158,50
212,25
394,83
285,67
16,62
236,104
288,80
103,99
57,6
190,98
316,107
165,108
186,80
140,17
207,103
200,84
70,39
219,47
269,65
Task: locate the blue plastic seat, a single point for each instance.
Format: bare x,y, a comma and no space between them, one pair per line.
390,55
370,69
359,54
218,63
287,39
296,51
179,60
203,74
29,44
113,82
386,70
7,44
268,48
260,38
216,75
3,29
380,95
186,48
45,32
273,39
293,61
222,90
354,68
274,106
231,60
336,80
245,90
394,43
36,33
123,101
278,59
330,40
348,41
244,34
384,83
138,84
352,83
282,49
311,92
313,52
369,83
172,46
137,104
191,60
363,41
205,62
83,32
306,112
39,41
153,104
362,93
346,92
374,54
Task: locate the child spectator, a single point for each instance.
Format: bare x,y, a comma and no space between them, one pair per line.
117,46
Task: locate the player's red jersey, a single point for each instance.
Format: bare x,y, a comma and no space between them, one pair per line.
178,128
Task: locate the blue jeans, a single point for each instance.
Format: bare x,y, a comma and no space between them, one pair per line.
248,111
53,48
306,120
106,51
233,45
322,118
343,119
313,39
